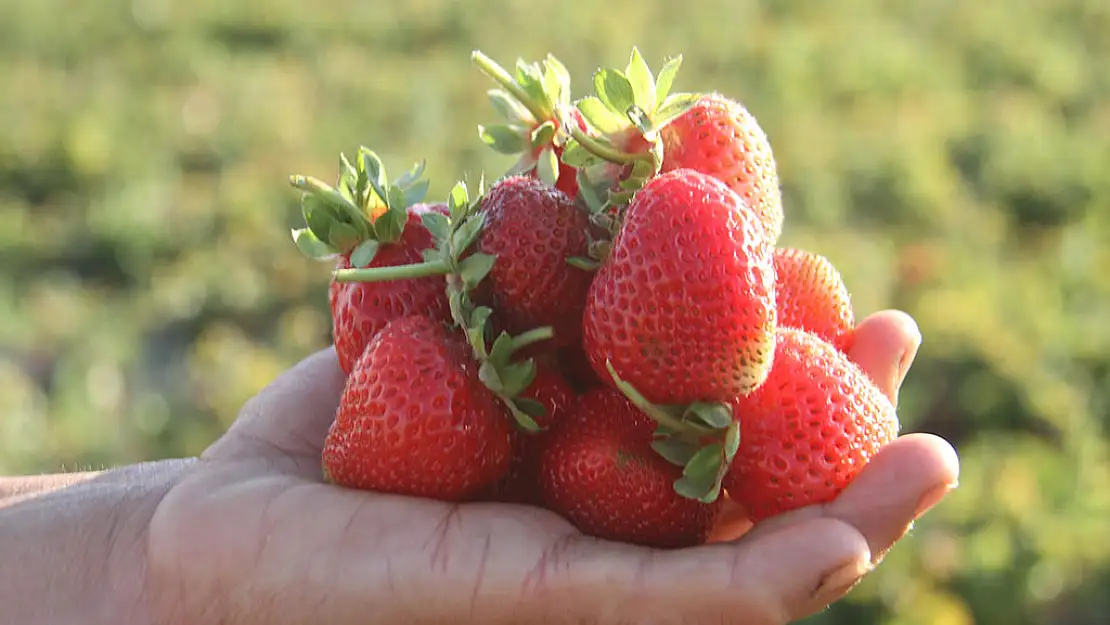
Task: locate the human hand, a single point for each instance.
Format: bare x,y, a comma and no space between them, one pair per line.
252,534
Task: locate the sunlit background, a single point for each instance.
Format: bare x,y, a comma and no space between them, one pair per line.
952,158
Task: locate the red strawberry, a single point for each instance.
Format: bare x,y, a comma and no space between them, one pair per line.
598,470
520,484
532,229
719,137
811,295
415,419
361,309
367,222
808,430
708,133
534,101
684,304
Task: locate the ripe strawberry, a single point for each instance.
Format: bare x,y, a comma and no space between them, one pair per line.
808,430
360,310
535,100
415,419
811,295
709,133
598,470
520,484
684,304
532,229
367,222
720,137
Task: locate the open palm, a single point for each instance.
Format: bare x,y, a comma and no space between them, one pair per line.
252,534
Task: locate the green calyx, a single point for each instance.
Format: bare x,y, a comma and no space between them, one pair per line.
531,100
702,438
627,104
363,211
455,234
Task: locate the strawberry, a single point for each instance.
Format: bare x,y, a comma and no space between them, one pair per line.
531,233
648,130
368,222
415,419
360,309
533,229
598,470
684,305
720,137
810,295
808,430
535,101
520,484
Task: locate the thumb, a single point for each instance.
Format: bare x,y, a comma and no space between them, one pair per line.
779,577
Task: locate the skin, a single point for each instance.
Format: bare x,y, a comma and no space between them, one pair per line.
250,533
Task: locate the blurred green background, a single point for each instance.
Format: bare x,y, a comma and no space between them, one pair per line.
952,158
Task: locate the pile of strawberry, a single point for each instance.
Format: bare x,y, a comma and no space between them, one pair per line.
609,330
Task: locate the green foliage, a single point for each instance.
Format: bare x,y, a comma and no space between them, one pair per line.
950,158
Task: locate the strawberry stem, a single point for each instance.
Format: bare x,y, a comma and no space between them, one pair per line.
393,272
490,68
607,153
534,335
659,413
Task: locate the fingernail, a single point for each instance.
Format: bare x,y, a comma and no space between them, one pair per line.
842,580
931,498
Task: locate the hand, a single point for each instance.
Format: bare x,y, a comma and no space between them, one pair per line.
252,534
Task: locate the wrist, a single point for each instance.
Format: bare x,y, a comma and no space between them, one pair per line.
75,545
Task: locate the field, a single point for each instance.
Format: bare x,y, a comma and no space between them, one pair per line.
951,158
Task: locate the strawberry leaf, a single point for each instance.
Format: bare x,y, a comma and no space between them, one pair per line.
509,107
732,441
641,80
517,377
675,106
474,268
547,166
312,247
467,233
714,415
480,316
531,407
344,236
458,201
665,80
701,478
614,90
542,135
416,192
585,264
489,376
437,224
503,138
677,452
501,352
600,116
364,254
412,176
523,409
369,162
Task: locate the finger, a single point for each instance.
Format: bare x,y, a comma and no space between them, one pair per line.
776,579
904,480
884,346
901,483
293,413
